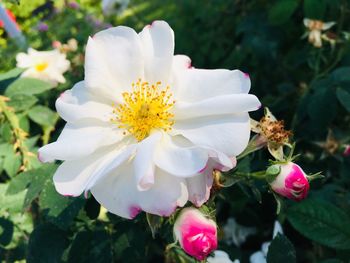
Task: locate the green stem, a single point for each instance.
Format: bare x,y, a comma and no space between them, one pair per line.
261,175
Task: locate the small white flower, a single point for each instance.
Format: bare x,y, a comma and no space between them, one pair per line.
236,233
45,65
145,130
110,7
221,257
315,28
260,256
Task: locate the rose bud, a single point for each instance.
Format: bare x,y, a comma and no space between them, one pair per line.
288,180
196,233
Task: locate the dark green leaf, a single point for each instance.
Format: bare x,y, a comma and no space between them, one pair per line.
12,163
314,9
341,74
321,222
91,247
60,210
344,98
19,183
281,11
46,244
6,231
27,86
281,250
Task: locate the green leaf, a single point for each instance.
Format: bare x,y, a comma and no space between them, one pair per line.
281,250
13,73
43,116
314,9
11,204
6,231
344,98
91,246
46,244
38,180
60,210
12,163
321,222
21,102
19,183
281,11
6,149
341,74
27,86
322,108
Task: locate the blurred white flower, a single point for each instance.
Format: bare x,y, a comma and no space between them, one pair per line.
221,257
236,233
145,130
45,65
260,256
315,28
110,7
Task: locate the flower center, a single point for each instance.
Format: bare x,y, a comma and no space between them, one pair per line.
145,108
41,66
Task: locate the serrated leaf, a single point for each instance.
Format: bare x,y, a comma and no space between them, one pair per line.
281,11
281,250
43,116
344,98
39,178
19,183
27,86
60,210
46,244
321,222
21,102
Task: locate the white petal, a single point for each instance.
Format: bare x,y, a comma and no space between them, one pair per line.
78,104
175,156
143,162
199,84
158,47
74,177
113,60
199,187
307,22
24,60
257,257
226,104
77,141
119,194
228,134
328,25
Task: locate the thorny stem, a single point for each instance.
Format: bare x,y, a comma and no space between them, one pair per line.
19,134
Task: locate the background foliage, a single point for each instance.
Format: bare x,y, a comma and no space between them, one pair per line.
307,87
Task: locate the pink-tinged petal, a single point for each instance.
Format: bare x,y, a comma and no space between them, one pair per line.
196,233
346,151
117,192
228,134
179,157
143,162
134,211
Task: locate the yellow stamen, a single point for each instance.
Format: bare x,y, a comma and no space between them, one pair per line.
145,108
41,66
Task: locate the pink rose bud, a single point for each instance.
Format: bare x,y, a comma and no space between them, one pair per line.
196,233
288,180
